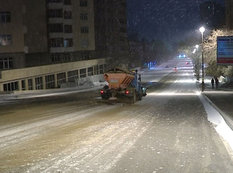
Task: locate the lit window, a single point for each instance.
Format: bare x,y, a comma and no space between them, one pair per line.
68,42
5,40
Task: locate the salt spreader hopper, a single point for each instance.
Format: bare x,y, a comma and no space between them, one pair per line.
122,84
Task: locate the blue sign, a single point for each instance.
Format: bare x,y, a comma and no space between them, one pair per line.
225,50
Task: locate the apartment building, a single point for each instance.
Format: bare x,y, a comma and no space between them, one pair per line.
49,31
229,13
111,28
37,38
21,33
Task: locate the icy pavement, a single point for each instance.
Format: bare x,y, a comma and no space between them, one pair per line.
167,131
219,123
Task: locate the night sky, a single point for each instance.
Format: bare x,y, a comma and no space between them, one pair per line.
168,20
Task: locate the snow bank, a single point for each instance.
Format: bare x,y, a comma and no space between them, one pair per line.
219,123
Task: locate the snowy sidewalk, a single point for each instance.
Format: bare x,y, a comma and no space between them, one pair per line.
49,92
219,109
221,99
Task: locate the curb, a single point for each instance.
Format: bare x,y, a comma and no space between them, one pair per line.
225,116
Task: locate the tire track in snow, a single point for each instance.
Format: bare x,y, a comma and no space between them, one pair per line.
114,136
20,133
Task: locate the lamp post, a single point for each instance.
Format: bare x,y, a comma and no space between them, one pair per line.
194,51
202,30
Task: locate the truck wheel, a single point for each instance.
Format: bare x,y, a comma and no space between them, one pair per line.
105,96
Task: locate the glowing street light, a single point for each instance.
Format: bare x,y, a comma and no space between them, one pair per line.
202,30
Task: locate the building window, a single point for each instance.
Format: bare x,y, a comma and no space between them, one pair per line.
67,2
5,17
55,58
50,81
39,83
55,13
68,29
72,76
61,79
90,71
101,69
6,63
96,69
67,14
83,3
23,84
83,16
66,57
55,1
84,29
5,40
56,42
68,42
13,86
85,56
83,73
56,27
30,84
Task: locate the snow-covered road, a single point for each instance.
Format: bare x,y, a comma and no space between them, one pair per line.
167,131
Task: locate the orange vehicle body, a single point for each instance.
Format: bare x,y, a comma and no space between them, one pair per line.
122,84
118,80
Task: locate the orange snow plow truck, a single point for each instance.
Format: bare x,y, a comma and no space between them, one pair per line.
122,84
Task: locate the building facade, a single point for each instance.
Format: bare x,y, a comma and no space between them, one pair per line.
51,76
229,13
111,29
44,32
39,35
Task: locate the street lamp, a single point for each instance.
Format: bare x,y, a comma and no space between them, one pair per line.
202,30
